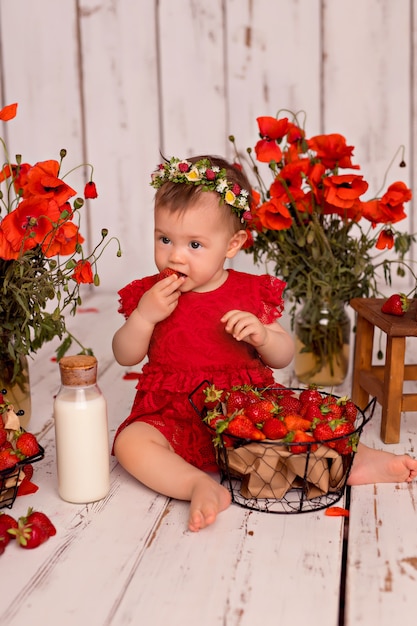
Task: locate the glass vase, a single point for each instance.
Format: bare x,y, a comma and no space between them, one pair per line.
17,391
322,343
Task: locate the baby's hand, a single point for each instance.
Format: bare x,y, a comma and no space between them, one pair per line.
244,326
160,300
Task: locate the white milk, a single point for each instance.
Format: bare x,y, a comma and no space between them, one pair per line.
82,443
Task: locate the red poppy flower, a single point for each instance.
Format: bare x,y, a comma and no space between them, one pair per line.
290,178
42,180
30,223
90,191
332,151
385,240
343,191
20,176
274,215
83,272
396,194
6,251
379,213
294,133
5,173
270,130
62,241
304,203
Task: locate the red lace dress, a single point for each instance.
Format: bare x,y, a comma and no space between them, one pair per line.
190,346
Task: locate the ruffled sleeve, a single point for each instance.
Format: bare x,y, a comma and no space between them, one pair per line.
130,295
272,303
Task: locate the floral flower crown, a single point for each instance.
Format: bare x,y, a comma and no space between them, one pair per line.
210,177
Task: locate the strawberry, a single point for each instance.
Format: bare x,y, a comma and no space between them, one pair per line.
293,421
304,441
323,431
274,428
27,444
8,459
311,412
8,520
168,271
29,536
310,395
348,443
331,409
350,410
260,411
37,518
243,427
212,396
215,418
239,398
28,470
288,404
4,535
397,304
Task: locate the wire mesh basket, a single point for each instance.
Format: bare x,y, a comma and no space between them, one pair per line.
11,478
278,476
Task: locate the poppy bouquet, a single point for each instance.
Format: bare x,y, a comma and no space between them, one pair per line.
42,260
311,223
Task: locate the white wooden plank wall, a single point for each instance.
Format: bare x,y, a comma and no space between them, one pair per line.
116,81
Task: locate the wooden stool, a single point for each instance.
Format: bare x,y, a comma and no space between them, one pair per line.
385,382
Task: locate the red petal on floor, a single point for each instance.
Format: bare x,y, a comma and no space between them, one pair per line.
336,511
131,376
26,487
86,309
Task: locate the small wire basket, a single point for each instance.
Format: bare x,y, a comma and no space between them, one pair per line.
10,479
274,476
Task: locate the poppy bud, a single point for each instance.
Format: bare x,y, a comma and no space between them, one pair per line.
78,203
90,191
310,236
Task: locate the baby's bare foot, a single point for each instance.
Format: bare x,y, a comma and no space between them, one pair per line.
378,466
207,500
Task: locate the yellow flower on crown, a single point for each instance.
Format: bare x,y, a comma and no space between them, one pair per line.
193,175
230,197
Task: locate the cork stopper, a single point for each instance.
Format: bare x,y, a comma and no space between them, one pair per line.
78,371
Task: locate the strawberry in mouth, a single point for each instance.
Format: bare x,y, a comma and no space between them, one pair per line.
169,272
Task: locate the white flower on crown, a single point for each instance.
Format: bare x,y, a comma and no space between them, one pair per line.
221,185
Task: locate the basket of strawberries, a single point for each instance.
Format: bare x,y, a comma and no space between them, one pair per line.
282,450
18,451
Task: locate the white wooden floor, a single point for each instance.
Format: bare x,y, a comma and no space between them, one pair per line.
129,559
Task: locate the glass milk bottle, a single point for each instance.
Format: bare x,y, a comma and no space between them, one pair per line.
81,432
